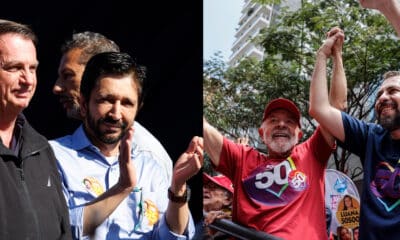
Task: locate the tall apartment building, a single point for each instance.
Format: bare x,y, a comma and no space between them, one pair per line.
254,18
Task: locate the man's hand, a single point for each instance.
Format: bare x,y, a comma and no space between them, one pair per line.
333,43
212,215
127,178
188,164
338,44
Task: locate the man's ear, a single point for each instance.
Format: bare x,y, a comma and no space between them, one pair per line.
300,135
228,199
261,132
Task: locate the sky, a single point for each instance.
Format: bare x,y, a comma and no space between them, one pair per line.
220,18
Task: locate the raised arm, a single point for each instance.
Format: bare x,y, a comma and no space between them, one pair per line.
338,88
213,140
389,8
321,109
102,207
188,164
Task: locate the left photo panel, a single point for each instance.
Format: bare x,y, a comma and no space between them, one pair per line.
101,119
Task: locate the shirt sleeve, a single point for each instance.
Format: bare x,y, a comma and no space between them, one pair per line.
230,158
320,148
164,233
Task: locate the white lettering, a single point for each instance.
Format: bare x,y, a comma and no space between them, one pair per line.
266,179
277,173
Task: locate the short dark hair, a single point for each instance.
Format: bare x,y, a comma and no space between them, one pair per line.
91,44
7,26
112,63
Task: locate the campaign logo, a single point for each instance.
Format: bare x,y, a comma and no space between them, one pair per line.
297,180
276,184
93,186
340,185
386,185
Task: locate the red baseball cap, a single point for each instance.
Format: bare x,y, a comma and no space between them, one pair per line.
282,103
220,180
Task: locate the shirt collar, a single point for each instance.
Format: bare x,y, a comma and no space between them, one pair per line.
16,141
80,139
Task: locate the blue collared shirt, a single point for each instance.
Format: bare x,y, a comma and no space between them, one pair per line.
86,174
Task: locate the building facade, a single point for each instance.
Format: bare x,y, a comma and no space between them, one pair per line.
254,18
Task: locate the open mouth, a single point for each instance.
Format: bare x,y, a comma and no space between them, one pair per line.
206,196
22,93
280,135
386,108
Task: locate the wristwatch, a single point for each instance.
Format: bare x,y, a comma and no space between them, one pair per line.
179,199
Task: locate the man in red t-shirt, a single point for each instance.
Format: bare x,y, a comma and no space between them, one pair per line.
282,192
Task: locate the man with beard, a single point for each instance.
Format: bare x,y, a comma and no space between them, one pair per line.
76,52
377,145
114,189
282,192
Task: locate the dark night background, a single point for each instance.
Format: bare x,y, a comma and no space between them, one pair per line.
165,36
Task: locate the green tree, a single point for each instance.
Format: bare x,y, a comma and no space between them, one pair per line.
234,98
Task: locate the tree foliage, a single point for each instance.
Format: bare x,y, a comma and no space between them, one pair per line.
234,98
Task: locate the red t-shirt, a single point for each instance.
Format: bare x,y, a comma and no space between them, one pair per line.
283,197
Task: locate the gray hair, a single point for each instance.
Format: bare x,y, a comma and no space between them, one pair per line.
390,74
91,44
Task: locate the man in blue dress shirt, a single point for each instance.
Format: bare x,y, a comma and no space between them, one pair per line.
115,190
76,52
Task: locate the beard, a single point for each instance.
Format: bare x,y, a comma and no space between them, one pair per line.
104,136
74,112
391,122
280,147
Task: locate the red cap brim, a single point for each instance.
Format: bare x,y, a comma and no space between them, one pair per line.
282,103
220,180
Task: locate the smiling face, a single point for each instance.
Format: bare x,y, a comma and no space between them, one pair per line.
387,104
280,132
111,109
18,65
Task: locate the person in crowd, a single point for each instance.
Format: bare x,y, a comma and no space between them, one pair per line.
377,144
76,52
32,205
136,200
282,192
217,202
344,233
217,197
